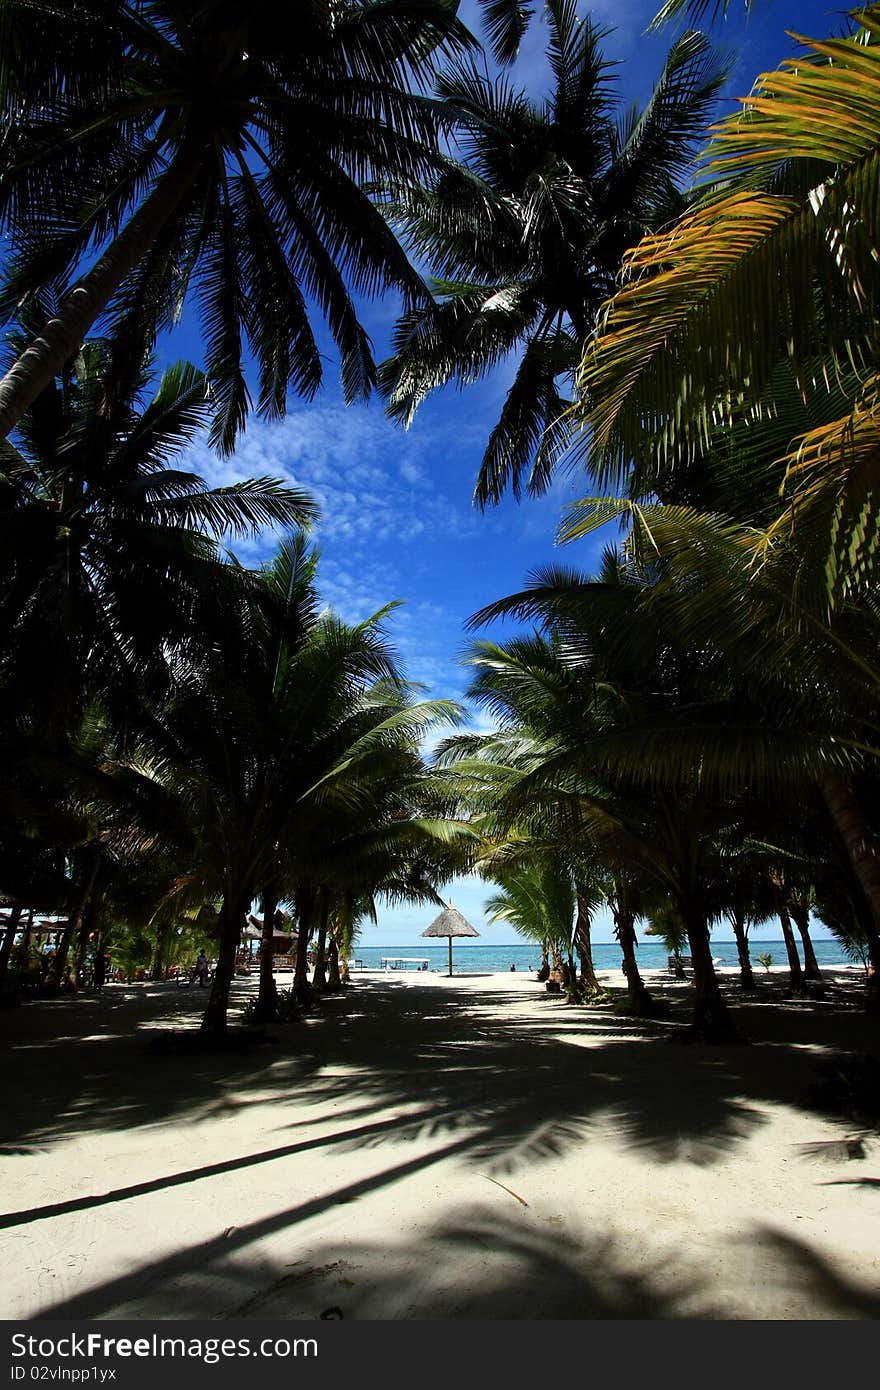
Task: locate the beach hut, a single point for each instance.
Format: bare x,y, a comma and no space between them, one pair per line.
282,942
450,923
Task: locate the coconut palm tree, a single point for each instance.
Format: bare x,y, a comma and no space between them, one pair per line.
543,706
376,823
776,264
108,549
163,151
688,345
526,232
268,746
811,716
539,902
637,692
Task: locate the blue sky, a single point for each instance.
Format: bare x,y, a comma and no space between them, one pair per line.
397,520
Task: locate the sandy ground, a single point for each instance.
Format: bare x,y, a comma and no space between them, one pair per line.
433,1148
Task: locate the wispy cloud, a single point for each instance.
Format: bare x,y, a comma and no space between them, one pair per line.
370,479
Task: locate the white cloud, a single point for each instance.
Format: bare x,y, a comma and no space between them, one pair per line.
365,474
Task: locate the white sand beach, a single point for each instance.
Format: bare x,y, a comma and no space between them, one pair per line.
422,1147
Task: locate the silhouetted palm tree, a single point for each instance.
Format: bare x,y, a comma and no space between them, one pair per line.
526,235
157,151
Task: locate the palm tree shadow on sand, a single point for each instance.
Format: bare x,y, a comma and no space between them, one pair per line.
463,1073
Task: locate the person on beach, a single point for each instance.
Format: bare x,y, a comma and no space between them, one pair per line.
200,970
513,967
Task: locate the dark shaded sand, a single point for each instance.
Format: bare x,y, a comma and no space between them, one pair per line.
427,1148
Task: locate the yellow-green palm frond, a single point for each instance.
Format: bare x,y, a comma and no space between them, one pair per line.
663,373
780,258
820,106
833,488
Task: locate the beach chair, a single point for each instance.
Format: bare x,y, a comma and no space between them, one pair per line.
676,963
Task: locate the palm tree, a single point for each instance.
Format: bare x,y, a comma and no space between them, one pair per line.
809,714
526,234
269,746
539,902
694,9
376,823
623,752
776,264
163,150
108,554
544,708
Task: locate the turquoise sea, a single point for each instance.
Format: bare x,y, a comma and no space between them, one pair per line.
467,959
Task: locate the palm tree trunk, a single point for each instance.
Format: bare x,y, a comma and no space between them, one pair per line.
334,979
319,977
83,304
864,857
26,936
796,974
746,978
58,968
232,915
267,995
544,968
87,929
569,978
588,979
640,997
711,1020
800,914
157,964
305,910
9,939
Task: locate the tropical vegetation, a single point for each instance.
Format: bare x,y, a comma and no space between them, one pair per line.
688,735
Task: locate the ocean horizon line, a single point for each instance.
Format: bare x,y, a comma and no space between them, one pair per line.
440,943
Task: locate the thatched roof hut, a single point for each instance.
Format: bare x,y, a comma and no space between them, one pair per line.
282,942
450,923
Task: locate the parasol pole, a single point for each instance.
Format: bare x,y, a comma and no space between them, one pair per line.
450,956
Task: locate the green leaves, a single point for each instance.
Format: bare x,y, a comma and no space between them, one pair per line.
525,234
286,149
776,264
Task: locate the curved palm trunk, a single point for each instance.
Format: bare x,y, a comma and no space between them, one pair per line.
334,978
741,937
864,856
583,945
305,907
232,915
319,976
796,974
711,1020
87,929
159,962
569,980
800,915
9,939
544,969
640,997
58,970
61,337
267,995
59,966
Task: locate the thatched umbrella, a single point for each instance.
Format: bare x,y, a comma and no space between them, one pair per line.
450,923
